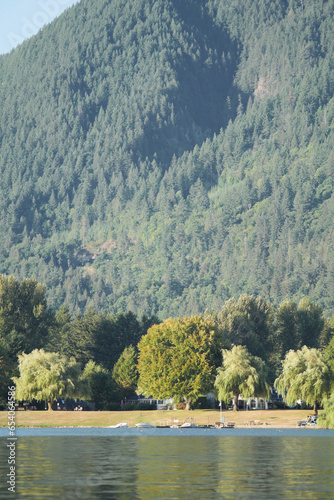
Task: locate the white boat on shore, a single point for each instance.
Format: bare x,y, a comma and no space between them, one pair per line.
118,426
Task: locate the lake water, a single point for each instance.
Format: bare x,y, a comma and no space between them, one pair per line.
168,464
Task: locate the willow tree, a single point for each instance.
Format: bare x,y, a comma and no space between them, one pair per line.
46,376
177,359
241,374
305,375
326,419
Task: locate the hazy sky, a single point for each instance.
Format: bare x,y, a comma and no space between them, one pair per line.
20,19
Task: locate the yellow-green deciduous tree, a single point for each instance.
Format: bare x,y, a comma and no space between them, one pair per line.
241,374
177,359
305,375
46,376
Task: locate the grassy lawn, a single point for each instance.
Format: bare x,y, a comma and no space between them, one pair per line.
272,418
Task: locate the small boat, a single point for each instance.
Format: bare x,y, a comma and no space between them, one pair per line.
118,426
186,425
144,425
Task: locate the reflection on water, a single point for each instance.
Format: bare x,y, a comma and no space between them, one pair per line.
172,467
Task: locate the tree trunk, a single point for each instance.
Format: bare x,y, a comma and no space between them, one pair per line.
315,408
50,406
235,406
188,404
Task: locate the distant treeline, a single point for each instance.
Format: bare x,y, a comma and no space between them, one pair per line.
110,342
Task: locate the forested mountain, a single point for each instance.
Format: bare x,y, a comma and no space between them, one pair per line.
162,156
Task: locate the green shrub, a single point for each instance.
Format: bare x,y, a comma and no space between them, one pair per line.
111,407
202,403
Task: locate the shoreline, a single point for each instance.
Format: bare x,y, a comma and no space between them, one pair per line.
256,419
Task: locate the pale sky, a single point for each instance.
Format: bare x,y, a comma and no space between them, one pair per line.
20,19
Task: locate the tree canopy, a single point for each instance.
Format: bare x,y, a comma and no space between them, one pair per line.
46,376
241,374
96,335
248,322
97,385
177,359
125,372
25,318
326,419
306,376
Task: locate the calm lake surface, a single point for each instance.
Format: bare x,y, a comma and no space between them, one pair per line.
170,464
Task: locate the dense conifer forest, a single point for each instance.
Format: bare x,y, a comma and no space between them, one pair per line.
163,156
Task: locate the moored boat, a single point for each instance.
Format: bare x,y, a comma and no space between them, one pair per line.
188,425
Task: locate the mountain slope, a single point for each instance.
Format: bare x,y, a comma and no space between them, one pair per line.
164,156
